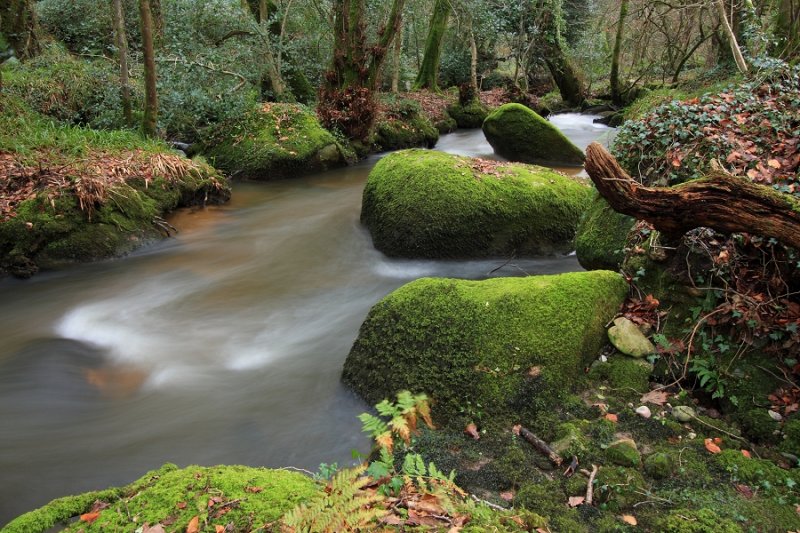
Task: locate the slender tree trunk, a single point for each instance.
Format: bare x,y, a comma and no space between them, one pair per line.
397,52
616,90
271,64
158,23
741,64
473,61
787,27
428,76
122,47
150,121
19,26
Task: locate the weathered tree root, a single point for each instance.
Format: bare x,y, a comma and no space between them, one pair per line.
719,201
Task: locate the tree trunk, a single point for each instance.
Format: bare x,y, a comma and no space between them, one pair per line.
122,47
722,202
158,22
428,76
737,52
397,53
473,61
787,28
273,71
149,124
346,99
566,76
18,25
616,90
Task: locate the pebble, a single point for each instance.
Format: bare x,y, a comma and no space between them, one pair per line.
643,411
775,415
683,413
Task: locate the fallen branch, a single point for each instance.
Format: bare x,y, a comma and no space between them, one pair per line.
489,504
539,444
590,484
720,201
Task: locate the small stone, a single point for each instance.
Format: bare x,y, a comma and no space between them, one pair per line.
691,435
683,413
643,411
627,338
659,465
775,415
624,453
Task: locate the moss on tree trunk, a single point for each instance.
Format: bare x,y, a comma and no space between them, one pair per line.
18,26
428,76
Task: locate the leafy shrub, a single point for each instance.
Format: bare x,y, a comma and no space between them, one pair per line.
85,26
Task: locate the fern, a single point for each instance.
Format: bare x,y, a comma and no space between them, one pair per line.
344,505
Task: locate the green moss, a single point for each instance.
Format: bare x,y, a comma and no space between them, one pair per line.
519,134
421,203
276,141
628,377
791,442
159,497
468,342
758,426
405,132
571,440
624,453
699,521
618,489
601,236
471,115
659,465
755,471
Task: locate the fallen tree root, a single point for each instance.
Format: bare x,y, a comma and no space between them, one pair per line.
720,201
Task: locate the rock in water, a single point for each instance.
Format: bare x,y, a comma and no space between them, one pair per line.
423,203
474,342
517,133
627,338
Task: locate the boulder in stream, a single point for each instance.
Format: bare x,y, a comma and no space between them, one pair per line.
517,133
512,346
420,203
275,141
602,236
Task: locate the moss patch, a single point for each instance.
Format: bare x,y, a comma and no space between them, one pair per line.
173,497
430,204
471,115
277,140
516,132
402,124
601,236
515,345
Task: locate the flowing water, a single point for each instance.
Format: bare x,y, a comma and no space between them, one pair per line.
222,345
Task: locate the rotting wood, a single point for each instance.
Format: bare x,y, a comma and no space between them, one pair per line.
720,201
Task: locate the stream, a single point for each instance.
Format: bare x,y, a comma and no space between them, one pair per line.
221,345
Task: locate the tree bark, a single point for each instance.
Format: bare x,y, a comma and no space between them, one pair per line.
158,23
616,89
787,28
428,76
149,124
741,64
273,70
397,53
720,201
19,27
473,60
122,48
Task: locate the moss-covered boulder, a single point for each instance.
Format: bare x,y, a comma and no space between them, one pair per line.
403,125
601,236
517,133
512,345
420,203
624,452
277,140
470,115
246,497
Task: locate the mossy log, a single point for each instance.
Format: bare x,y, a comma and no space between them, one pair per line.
719,201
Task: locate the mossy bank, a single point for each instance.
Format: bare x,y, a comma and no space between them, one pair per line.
512,345
430,204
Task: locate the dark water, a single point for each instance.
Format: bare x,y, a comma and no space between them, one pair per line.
223,345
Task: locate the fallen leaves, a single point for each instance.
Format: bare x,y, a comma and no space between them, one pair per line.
656,397
575,501
712,446
611,417
89,517
194,525
629,519
472,431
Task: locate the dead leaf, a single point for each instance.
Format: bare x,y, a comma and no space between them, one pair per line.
472,431
746,454
254,490
219,529
629,519
575,501
774,163
507,496
158,528
711,447
515,430
611,417
535,371
194,525
89,517
181,505
656,397
745,491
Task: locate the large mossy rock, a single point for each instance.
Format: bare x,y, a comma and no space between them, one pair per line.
471,115
403,125
172,497
420,203
511,346
275,141
517,133
602,235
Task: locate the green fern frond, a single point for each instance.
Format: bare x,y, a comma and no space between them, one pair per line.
372,425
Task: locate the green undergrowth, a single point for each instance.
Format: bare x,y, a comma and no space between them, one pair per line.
246,497
488,348
276,140
430,204
402,124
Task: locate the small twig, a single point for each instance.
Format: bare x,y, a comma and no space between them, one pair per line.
489,504
295,469
539,444
590,485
